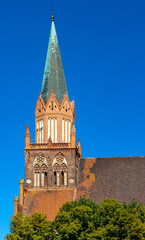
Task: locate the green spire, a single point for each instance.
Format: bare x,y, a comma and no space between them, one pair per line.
53,78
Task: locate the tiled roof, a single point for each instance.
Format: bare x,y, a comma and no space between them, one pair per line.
46,201
122,178
53,78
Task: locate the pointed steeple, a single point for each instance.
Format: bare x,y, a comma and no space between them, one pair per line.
27,137
53,78
27,133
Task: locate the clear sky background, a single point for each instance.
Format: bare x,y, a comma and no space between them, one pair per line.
102,45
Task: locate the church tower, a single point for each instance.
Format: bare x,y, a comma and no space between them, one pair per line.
51,163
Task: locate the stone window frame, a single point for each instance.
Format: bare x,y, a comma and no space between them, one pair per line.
40,162
60,170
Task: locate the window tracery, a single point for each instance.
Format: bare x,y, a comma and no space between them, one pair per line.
40,158
40,171
56,167
60,170
37,168
63,167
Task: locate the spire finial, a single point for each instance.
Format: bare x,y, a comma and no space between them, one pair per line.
52,16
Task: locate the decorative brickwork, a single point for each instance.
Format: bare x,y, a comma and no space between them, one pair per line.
52,161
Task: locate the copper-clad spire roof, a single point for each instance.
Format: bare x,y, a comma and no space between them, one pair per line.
53,78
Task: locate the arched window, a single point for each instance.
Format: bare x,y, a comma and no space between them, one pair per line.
40,132
40,171
52,129
36,175
43,175
66,130
62,178
59,166
64,174
56,170
55,178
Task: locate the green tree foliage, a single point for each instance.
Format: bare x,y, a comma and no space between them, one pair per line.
84,220
35,227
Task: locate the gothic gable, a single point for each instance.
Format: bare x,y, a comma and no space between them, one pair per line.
52,105
66,106
40,106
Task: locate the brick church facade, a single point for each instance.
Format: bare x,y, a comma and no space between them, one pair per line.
54,170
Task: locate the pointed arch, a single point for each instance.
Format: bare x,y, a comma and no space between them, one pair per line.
44,174
40,167
56,167
56,174
64,174
40,131
59,166
40,159
60,159
37,168
52,129
37,175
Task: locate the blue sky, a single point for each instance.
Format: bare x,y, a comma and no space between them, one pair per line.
102,45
